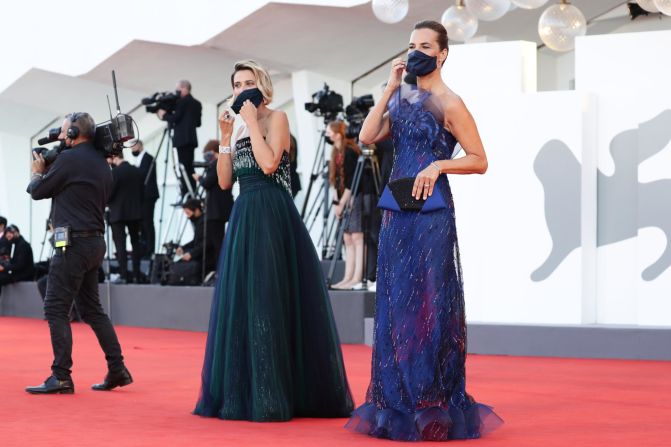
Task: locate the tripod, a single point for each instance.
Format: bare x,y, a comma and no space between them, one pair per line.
180,173
321,199
367,160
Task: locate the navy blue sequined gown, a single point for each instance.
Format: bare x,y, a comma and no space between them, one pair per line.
272,348
417,389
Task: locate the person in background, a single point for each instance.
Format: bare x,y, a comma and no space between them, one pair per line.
17,265
218,205
342,166
125,205
293,160
145,163
184,120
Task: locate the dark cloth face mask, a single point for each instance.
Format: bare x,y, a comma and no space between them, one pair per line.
328,141
421,64
253,94
135,153
209,157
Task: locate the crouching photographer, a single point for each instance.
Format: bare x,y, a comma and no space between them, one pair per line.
17,264
79,183
188,269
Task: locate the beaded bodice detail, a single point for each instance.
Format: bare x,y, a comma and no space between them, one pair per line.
244,163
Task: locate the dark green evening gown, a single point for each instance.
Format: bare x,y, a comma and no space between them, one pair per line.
272,348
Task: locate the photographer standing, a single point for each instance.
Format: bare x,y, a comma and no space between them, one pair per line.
184,120
79,182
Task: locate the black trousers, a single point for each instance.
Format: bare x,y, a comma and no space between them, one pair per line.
216,230
73,275
185,156
119,237
147,231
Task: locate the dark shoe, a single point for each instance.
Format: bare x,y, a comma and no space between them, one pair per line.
113,380
53,385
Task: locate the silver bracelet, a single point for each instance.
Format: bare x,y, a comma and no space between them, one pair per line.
433,163
37,174
224,149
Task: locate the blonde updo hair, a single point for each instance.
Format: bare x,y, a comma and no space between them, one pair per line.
263,81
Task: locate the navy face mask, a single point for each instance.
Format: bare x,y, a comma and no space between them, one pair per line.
328,140
208,157
421,64
253,94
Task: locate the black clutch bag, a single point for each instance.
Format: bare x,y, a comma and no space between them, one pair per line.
397,196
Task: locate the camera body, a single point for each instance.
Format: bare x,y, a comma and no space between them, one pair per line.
326,103
356,113
112,134
329,104
49,155
170,248
161,100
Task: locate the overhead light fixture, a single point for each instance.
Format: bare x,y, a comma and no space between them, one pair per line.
488,10
459,22
560,24
390,11
664,6
529,4
647,5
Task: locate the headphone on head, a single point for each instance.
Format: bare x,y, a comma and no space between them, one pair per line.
73,132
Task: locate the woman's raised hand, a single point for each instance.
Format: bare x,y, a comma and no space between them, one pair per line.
396,74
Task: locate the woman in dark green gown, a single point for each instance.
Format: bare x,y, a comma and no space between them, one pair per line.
272,348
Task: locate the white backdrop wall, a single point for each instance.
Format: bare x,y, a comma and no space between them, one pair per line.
529,229
631,77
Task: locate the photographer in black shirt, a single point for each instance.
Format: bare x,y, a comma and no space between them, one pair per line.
184,121
79,182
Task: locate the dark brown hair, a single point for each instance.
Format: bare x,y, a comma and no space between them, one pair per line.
438,28
211,146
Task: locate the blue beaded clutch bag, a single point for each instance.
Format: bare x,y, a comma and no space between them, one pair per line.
397,196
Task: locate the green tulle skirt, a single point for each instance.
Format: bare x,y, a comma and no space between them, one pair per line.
272,348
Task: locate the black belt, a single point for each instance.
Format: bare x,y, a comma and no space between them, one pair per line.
86,233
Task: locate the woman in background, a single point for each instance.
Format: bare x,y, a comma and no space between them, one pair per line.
344,155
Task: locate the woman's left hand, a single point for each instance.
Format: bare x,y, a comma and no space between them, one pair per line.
339,209
424,182
248,112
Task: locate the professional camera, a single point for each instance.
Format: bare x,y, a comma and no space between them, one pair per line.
161,100
170,248
111,135
356,112
326,103
49,155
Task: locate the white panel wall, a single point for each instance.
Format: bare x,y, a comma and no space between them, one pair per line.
501,216
631,77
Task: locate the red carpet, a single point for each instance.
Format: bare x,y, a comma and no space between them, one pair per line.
545,402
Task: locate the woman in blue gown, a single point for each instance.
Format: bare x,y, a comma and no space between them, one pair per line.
272,349
417,390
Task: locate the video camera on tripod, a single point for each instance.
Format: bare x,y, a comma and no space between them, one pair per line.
326,103
110,136
161,100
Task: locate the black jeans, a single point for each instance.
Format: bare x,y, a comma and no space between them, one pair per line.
73,275
119,237
147,231
185,156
